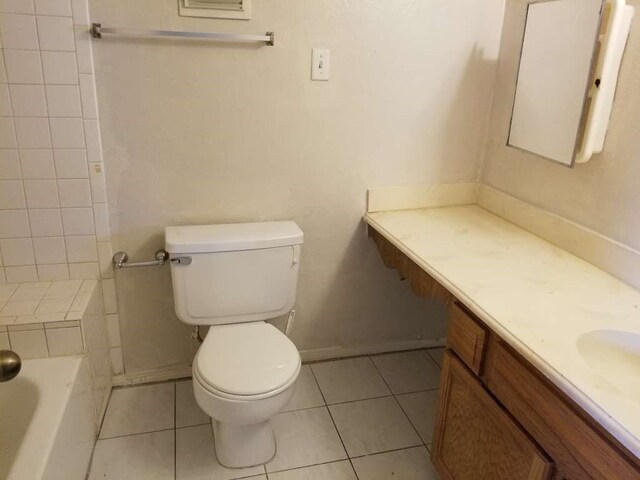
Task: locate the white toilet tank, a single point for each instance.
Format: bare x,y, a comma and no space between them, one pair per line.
234,273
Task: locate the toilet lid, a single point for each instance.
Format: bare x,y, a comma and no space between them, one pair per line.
247,359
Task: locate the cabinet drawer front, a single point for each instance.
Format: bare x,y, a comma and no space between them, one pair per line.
475,439
467,338
579,450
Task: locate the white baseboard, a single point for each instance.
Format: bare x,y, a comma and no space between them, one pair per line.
330,353
151,376
313,355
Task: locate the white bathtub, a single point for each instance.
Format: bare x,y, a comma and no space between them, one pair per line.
47,422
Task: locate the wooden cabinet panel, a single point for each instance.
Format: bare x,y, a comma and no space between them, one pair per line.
577,447
467,338
475,439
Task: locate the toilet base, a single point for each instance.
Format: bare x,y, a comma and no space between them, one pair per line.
240,446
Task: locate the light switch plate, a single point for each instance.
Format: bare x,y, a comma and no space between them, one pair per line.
321,64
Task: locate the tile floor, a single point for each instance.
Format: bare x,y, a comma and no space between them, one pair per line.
364,418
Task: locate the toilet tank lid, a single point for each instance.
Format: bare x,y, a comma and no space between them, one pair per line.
231,237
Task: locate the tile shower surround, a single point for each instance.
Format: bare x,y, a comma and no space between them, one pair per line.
54,221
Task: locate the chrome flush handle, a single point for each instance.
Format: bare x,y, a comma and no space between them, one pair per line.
181,260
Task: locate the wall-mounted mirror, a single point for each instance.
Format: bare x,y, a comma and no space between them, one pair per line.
558,57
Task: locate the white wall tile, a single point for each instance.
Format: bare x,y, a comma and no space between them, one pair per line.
98,186
27,292
41,193
82,249
89,100
7,133
49,250
74,193
86,270
78,221
37,163
84,52
5,101
54,305
64,289
11,194
18,31
3,70
45,222
80,12
23,66
16,6
67,132
71,163
94,143
53,272
14,224
30,344
26,273
32,132
53,7
105,256
113,330
56,33
101,216
28,100
117,364
64,101
17,252
60,68
64,341
9,164
109,298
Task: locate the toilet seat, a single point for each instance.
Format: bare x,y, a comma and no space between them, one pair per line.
247,361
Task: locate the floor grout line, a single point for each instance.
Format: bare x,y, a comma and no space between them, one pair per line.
398,402
325,405
135,434
334,425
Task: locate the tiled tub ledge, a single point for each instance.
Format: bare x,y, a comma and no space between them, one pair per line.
44,319
55,319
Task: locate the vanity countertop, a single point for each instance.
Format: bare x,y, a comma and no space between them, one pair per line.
545,302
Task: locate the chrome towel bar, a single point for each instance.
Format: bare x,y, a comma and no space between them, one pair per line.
121,259
97,31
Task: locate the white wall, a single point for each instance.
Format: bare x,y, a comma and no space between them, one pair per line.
602,194
197,132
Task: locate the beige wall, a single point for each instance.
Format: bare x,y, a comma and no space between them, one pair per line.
196,132
603,194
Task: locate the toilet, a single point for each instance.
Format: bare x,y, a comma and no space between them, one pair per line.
233,278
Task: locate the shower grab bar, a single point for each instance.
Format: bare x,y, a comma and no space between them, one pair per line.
97,31
121,260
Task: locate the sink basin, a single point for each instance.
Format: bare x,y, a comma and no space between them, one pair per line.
614,355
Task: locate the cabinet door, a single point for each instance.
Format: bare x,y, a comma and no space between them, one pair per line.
475,439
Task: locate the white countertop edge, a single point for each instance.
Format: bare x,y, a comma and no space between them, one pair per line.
572,391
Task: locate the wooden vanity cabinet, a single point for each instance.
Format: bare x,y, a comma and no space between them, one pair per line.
498,416
476,438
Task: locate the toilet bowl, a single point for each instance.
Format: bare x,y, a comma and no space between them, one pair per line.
233,278
243,375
